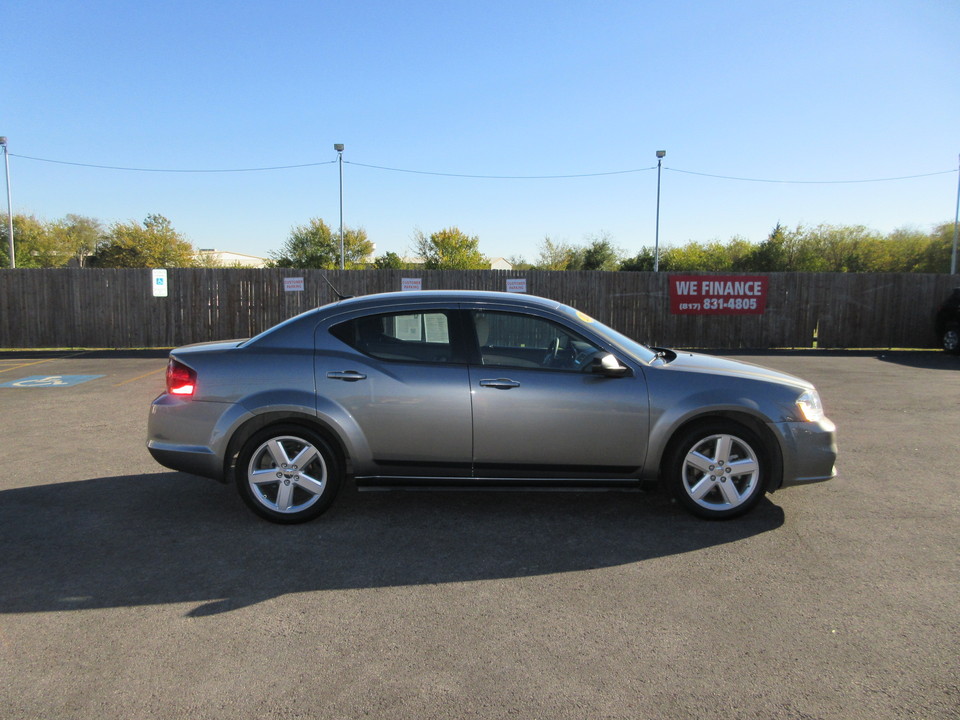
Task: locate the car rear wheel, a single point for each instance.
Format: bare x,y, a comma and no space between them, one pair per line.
718,469
288,474
950,340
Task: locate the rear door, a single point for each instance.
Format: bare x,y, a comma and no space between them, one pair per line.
402,380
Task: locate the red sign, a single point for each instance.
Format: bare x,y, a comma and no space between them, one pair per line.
718,294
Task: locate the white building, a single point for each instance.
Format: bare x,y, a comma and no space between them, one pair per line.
495,264
225,258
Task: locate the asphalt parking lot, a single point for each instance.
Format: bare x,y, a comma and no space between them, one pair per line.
129,591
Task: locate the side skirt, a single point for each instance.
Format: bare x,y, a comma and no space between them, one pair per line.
496,484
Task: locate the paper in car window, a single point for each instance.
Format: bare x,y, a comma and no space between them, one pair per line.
407,327
436,328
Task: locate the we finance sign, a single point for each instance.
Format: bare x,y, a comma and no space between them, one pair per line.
718,294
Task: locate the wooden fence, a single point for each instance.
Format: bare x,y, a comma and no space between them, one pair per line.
116,308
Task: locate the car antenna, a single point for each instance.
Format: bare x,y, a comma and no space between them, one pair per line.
340,296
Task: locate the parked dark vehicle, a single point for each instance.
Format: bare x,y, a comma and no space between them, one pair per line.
948,323
481,389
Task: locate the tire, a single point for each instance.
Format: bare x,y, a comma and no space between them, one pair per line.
718,469
288,474
950,339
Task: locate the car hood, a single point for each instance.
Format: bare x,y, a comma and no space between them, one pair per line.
710,364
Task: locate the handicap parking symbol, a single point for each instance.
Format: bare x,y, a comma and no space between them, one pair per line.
41,381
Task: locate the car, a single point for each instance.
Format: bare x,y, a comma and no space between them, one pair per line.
948,323
447,389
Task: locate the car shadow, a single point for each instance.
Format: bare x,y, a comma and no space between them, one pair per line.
922,359
173,538
919,359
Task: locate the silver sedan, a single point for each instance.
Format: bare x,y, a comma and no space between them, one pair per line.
482,389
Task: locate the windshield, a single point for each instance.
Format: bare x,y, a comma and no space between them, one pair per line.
637,351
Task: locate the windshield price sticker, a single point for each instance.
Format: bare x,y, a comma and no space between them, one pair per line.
718,294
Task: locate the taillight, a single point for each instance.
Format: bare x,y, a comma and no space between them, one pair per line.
181,380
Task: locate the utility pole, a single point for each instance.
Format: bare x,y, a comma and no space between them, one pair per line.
656,242
339,148
956,228
6,162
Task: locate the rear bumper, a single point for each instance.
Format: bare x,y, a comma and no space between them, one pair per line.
191,459
809,451
192,436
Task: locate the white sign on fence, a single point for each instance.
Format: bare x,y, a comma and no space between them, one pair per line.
517,285
159,283
293,284
411,284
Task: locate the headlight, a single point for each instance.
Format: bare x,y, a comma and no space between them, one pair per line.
810,407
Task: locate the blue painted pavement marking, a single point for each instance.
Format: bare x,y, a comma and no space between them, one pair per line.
40,381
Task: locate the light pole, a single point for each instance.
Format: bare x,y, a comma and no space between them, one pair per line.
6,163
956,231
656,241
339,148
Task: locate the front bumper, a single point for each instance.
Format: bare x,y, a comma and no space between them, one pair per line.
809,451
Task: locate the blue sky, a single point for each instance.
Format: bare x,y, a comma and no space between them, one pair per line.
811,91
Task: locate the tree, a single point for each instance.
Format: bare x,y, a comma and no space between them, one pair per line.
601,254
641,262
315,245
389,261
908,250
78,236
940,251
519,263
739,251
553,255
32,244
450,249
560,255
770,255
152,244
824,248
842,248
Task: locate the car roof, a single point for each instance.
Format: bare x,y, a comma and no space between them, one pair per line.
451,296
295,326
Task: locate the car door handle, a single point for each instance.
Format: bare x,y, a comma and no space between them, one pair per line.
348,375
500,383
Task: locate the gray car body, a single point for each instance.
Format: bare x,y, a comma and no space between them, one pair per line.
443,423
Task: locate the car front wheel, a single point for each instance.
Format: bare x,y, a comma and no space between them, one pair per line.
288,474
718,469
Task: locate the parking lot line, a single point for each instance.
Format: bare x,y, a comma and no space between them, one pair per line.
140,377
39,362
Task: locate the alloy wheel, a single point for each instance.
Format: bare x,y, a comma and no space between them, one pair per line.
720,472
287,474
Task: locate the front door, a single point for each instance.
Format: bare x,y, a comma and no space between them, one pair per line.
538,411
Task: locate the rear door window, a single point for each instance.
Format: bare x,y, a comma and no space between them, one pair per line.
423,336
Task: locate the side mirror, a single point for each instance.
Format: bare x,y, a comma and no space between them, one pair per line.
609,366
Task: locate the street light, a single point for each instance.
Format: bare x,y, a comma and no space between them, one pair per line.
6,162
656,241
956,231
339,148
